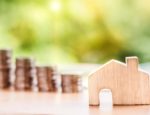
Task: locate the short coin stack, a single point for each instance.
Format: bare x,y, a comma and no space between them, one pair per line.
71,83
24,73
45,78
5,68
52,79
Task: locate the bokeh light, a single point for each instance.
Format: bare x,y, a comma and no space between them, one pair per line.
55,6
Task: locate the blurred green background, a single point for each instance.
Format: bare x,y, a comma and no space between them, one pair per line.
72,31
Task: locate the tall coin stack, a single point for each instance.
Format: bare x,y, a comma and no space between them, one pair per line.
45,79
5,68
71,83
24,73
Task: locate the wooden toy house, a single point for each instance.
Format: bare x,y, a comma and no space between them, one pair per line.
129,84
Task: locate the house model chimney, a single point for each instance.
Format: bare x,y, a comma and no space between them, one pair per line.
132,63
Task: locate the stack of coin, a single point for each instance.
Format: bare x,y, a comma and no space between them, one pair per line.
71,83
42,78
52,79
45,78
24,73
5,68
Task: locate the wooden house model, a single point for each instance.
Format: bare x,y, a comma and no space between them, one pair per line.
129,84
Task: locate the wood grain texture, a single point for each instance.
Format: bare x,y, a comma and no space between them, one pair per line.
129,85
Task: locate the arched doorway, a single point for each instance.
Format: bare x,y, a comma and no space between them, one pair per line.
105,99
